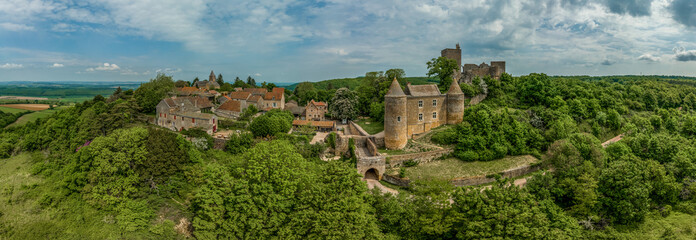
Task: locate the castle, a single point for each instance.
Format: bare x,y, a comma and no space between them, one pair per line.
423,107
468,72
419,109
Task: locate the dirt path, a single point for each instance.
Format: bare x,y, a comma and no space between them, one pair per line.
372,183
613,140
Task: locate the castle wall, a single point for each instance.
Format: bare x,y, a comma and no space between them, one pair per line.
416,126
455,108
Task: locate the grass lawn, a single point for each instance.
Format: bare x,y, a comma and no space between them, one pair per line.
11,110
370,126
454,168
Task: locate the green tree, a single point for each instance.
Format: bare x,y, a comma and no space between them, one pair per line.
149,94
305,92
344,104
239,143
443,68
166,156
271,123
251,81
397,73
219,79
181,83
625,193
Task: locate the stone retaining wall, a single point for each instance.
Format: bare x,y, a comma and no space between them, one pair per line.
355,129
371,147
470,181
422,157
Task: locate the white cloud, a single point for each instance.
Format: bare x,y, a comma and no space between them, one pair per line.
104,67
257,74
16,27
683,55
11,66
649,58
57,65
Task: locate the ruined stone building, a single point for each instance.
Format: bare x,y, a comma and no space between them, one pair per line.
468,72
418,109
179,113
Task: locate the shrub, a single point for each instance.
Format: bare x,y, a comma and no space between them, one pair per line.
410,163
239,143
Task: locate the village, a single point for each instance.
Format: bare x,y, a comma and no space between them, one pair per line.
410,113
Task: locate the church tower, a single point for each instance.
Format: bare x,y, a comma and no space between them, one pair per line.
395,117
455,103
211,78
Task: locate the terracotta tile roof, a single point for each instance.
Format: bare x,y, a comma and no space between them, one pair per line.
240,95
199,102
254,98
273,96
423,90
260,91
231,105
316,103
321,124
278,90
188,89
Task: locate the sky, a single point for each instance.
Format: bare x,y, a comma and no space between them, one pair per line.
293,41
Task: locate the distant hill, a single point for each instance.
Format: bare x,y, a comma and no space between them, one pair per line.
353,83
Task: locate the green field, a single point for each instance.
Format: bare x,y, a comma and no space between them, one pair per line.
454,168
370,126
12,110
35,115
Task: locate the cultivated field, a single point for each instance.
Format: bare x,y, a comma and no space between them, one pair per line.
22,98
31,107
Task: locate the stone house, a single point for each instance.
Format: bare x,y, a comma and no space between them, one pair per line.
179,113
315,111
274,99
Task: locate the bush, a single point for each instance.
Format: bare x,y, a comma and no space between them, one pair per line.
410,163
331,140
239,143
274,121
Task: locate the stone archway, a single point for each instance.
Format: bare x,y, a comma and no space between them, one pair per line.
372,174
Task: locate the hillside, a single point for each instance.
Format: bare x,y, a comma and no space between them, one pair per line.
353,83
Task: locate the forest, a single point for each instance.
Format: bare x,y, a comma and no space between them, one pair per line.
98,170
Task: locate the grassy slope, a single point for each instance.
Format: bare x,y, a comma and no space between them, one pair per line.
35,115
22,216
675,226
455,168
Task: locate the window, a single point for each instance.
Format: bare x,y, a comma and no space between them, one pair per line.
420,103
160,114
174,117
434,115
398,119
420,117
193,120
434,102
274,105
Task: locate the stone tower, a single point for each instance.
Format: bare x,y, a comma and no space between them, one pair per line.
211,78
455,54
395,127
455,104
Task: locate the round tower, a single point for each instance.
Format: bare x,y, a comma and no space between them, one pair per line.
395,127
455,104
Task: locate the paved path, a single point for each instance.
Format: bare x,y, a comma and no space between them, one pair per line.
319,137
372,183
